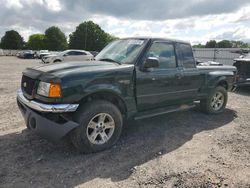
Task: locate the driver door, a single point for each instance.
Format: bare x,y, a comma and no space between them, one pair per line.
161,86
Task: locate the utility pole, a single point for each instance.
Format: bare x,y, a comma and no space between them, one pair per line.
86,30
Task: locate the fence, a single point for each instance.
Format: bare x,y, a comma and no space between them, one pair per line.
14,52
8,52
222,55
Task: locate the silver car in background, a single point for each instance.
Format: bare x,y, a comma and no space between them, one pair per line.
68,55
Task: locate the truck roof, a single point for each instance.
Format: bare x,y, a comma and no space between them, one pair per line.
158,38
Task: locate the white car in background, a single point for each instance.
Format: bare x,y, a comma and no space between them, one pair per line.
42,53
68,55
1,52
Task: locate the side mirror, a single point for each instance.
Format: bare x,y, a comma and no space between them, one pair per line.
151,62
65,54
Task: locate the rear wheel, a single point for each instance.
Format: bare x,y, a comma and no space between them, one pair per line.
100,126
215,102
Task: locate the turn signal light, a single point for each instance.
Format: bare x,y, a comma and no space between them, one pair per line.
55,90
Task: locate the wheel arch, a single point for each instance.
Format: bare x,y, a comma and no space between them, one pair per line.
57,59
107,95
222,83
220,78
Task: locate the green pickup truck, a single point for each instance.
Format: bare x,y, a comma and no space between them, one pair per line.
130,78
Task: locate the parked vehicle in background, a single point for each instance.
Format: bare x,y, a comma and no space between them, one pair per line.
207,63
19,54
26,54
243,70
42,53
68,55
130,78
94,53
1,52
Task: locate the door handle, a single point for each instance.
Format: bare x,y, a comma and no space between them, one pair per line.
178,75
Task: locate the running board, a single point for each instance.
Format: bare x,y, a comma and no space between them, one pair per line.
161,111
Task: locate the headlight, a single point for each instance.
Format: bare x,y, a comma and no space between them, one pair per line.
49,89
43,89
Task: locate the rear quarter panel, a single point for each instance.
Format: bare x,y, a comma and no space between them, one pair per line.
215,75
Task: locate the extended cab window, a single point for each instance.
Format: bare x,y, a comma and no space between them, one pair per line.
165,53
185,55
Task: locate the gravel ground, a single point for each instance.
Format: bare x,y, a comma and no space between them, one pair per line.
182,149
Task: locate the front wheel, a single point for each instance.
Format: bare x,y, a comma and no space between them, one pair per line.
215,102
100,126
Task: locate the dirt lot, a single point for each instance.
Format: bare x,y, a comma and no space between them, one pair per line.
183,149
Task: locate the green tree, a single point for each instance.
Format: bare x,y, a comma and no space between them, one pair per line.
240,44
89,36
211,44
244,45
198,46
224,44
110,38
55,39
12,40
36,42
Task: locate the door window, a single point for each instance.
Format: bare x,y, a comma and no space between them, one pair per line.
185,55
80,53
165,53
71,53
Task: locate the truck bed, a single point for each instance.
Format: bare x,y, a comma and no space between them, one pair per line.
219,68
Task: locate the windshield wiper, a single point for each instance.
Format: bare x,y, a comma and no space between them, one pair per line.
109,60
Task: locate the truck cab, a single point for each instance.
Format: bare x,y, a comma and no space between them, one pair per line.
173,80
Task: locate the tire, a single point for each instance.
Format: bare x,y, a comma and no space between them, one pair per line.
210,106
89,117
57,60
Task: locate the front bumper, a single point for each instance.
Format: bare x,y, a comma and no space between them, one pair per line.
244,82
39,123
55,108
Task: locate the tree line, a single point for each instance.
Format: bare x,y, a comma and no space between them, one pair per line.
223,44
87,36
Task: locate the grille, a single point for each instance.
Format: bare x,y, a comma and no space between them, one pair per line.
28,85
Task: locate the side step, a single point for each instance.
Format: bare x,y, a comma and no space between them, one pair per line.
160,111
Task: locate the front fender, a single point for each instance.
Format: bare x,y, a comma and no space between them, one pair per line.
119,92
102,88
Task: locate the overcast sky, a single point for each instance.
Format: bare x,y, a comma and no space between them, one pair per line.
192,20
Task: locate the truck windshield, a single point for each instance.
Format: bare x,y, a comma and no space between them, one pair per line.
121,51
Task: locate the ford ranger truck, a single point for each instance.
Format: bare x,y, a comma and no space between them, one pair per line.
130,78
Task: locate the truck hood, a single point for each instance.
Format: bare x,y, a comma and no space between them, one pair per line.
74,66
67,69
